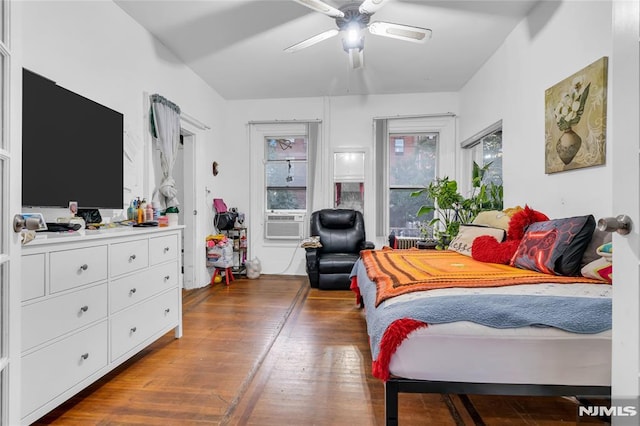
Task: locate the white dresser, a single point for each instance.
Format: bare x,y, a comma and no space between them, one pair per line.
90,302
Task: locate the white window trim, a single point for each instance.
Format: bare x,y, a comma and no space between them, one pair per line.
257,132
467,155
445,126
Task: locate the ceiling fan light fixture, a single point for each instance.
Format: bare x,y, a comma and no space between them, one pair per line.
402,32
322,7
352,34
349,44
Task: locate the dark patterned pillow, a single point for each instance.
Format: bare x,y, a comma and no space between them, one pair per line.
555,246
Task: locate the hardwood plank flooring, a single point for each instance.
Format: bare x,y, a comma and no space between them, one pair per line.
273,351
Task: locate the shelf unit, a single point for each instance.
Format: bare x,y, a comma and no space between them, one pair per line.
240,241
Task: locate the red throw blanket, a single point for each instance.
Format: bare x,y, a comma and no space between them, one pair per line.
397,272
393,336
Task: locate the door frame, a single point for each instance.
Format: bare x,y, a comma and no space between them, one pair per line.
625,156
189,247
11,202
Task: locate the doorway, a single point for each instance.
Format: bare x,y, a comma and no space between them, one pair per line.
184,170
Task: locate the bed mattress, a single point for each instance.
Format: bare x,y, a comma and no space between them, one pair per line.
465,351
469,352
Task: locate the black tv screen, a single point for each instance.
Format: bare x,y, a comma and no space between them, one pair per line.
71,148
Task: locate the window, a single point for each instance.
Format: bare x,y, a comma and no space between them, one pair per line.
410,152
399,144
485,148
348,180
412,161
286,171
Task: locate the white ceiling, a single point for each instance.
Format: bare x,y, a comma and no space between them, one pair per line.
236,46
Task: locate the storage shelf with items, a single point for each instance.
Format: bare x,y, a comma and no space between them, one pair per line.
219,251
238,237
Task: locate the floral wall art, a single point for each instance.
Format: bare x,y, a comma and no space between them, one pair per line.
575,120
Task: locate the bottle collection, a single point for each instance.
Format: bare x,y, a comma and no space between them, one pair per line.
141,211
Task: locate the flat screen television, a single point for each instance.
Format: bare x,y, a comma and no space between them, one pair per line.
71,148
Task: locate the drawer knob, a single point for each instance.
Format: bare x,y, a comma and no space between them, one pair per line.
84,267
85,308
166,311
133,290
167,277
84,356
134,329
166,249
132,258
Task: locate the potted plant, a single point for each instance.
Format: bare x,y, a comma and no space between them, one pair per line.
450,208
444,202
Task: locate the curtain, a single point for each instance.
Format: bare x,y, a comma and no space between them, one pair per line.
165,129
314,172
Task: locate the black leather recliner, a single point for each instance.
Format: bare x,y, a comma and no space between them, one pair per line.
342,236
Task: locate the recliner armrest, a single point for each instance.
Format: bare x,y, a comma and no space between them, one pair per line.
368,245
312,265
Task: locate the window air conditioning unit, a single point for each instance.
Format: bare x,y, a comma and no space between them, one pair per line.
281,226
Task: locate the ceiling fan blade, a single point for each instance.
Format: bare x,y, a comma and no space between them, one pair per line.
400,31
312,40
322,7
371,6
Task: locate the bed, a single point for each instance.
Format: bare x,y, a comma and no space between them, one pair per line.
500,330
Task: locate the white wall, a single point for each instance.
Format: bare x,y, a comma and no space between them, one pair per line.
116,67
347,121
556,40
95,49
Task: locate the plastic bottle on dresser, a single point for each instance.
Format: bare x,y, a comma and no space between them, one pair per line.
149,213
131,211
144,209
139,212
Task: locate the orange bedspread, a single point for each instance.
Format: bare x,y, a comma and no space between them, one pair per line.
397,272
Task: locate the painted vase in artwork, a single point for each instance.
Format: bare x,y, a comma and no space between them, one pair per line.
568,145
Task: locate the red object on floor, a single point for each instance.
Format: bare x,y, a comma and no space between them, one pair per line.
227,274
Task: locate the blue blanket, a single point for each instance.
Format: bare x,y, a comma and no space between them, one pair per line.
574,314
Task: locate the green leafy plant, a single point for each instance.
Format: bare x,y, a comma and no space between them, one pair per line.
450,208
445,202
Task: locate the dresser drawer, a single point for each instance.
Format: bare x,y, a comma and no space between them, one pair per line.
134,288
52,370
33,273
58,315
162,249
133,326
129,256
73,268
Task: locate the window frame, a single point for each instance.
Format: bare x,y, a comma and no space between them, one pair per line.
392,149
470,154
267,162
444,124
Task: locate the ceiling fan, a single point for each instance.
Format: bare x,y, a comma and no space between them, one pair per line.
351,20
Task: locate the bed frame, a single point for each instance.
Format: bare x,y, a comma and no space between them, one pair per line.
394,386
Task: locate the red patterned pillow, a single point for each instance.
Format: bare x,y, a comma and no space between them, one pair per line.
556,246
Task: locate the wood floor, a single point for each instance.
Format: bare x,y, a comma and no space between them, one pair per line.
272,351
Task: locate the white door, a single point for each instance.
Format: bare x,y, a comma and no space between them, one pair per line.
625,157
191,262
10,188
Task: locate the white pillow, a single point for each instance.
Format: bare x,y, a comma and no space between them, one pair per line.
467,233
